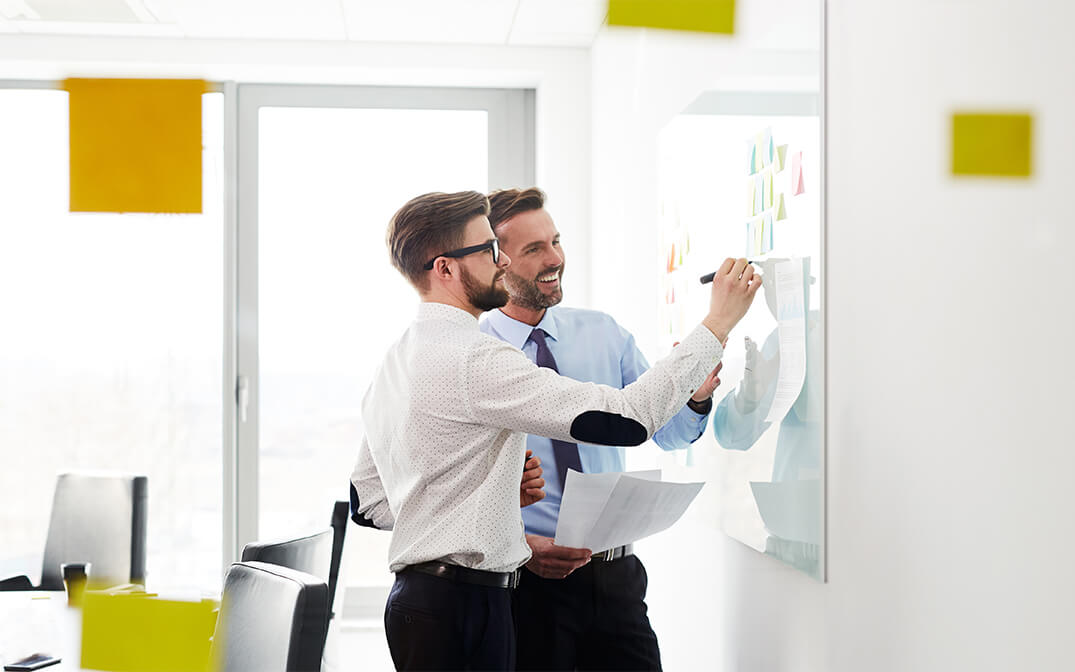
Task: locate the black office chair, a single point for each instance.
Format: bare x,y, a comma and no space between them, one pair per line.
272,619
96,518
340,515
311,554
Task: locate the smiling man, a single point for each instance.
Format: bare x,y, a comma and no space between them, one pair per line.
576,610
445,421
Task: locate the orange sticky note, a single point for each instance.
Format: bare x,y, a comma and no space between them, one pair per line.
996,145
707,16
136,145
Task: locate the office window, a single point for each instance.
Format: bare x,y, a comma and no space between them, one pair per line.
330,303
110,350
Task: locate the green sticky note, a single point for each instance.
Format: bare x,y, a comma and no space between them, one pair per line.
707,16
997,145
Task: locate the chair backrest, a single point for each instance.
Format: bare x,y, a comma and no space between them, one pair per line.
272,619
312,554
100,519
340,515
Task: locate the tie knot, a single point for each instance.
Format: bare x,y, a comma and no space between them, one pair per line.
538,335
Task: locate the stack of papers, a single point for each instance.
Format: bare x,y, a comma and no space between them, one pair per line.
602,511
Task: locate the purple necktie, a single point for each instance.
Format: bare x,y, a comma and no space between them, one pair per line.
565,453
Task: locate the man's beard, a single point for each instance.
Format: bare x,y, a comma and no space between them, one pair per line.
484,297
525,293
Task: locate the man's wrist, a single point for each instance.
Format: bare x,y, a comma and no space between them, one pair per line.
717,329
701,407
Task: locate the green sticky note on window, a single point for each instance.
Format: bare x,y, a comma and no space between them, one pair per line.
707,16
997,145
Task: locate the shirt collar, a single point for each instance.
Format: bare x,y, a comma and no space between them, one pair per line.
428,310
518,333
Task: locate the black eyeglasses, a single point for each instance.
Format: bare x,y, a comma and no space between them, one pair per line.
464,251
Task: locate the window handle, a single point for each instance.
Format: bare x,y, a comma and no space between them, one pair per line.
242,396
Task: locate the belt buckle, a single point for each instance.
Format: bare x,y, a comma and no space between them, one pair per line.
513,580
609,555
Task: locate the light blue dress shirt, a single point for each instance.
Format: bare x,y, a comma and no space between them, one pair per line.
590,346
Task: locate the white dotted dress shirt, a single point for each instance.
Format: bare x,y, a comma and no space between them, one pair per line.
446,420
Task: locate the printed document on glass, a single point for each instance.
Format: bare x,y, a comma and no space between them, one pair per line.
602,511
791,325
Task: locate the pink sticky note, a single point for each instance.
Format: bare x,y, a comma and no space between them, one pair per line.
797,174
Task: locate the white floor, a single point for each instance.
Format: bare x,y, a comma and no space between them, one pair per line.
359,645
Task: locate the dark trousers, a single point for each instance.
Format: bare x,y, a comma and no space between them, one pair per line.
434,623
595,619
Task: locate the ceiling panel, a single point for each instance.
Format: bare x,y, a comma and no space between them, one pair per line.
436,21
254,19
558,22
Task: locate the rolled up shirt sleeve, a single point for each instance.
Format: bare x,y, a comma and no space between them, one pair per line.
369,503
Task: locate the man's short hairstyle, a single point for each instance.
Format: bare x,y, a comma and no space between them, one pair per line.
430,225
506,203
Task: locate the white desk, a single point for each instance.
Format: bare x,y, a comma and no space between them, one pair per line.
40,622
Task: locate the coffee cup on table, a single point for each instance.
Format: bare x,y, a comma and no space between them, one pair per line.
75,575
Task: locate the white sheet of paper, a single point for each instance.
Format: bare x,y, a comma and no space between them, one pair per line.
601,511
791,322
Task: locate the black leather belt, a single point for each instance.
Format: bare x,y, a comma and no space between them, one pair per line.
465,574
614,553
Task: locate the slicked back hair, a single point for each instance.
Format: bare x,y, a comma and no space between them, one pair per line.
429,225
506,203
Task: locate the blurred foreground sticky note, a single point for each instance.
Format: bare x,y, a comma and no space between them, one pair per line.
136,145
991,144
145,633
707,16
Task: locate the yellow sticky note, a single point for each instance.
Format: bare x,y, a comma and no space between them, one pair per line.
136,145
128,633
992,144
707,16
780,158
781,211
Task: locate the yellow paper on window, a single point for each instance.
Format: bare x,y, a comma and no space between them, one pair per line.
136,145
708,16
992,144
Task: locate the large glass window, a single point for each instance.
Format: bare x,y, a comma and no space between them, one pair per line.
330,303
110,351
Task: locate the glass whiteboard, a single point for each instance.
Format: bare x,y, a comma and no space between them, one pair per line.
739,175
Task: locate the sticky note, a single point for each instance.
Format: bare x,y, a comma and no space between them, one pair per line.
136,145
780,158
756,236
797,186
781,211
997,145
144,633
708,16
759,194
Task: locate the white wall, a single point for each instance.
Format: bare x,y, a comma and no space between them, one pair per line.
561,77
949,321
949,312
